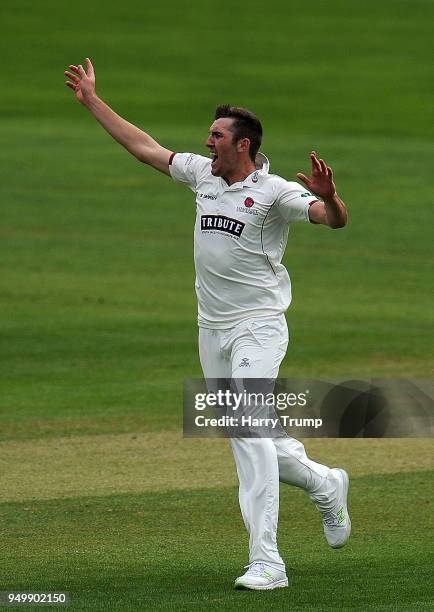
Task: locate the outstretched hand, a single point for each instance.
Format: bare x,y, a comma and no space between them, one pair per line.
81,82
321,183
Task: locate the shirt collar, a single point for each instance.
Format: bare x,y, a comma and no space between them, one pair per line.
262,168
262,164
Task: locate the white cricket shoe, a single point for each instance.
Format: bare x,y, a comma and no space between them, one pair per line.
261,577
337,523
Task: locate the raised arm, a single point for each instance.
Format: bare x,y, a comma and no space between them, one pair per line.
137,142
331,210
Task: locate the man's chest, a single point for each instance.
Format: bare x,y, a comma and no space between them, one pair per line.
247,206
235,223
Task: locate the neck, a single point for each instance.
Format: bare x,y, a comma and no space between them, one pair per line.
240,173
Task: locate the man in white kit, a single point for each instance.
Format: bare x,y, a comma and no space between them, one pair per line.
243,217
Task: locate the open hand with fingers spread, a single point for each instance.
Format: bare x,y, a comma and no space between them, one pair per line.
81,82
321,183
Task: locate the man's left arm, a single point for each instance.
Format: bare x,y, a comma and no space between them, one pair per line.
330,210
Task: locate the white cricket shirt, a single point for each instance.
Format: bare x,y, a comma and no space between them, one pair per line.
240,236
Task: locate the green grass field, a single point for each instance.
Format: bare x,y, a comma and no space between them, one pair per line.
100,495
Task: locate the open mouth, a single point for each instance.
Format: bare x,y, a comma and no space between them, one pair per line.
214,156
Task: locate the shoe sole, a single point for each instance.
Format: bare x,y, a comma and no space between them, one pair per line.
346,482
267,587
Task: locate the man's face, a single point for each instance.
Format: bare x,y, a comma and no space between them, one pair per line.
222,148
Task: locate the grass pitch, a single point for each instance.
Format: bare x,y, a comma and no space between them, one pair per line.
182,549
100,496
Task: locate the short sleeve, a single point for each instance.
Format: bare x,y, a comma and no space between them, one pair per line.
293,201
188,168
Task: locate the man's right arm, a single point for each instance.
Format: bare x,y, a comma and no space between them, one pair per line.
137,142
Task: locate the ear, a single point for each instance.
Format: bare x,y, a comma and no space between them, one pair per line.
243,145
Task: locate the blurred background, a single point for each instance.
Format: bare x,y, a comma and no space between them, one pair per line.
97,275
98,323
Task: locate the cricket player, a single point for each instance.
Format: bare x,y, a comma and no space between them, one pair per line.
243,290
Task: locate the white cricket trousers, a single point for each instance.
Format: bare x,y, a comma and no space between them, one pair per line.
255,349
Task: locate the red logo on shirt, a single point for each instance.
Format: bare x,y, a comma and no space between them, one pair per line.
248,202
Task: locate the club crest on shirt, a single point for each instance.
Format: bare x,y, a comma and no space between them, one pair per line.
209,223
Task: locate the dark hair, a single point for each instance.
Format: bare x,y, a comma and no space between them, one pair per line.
245,125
